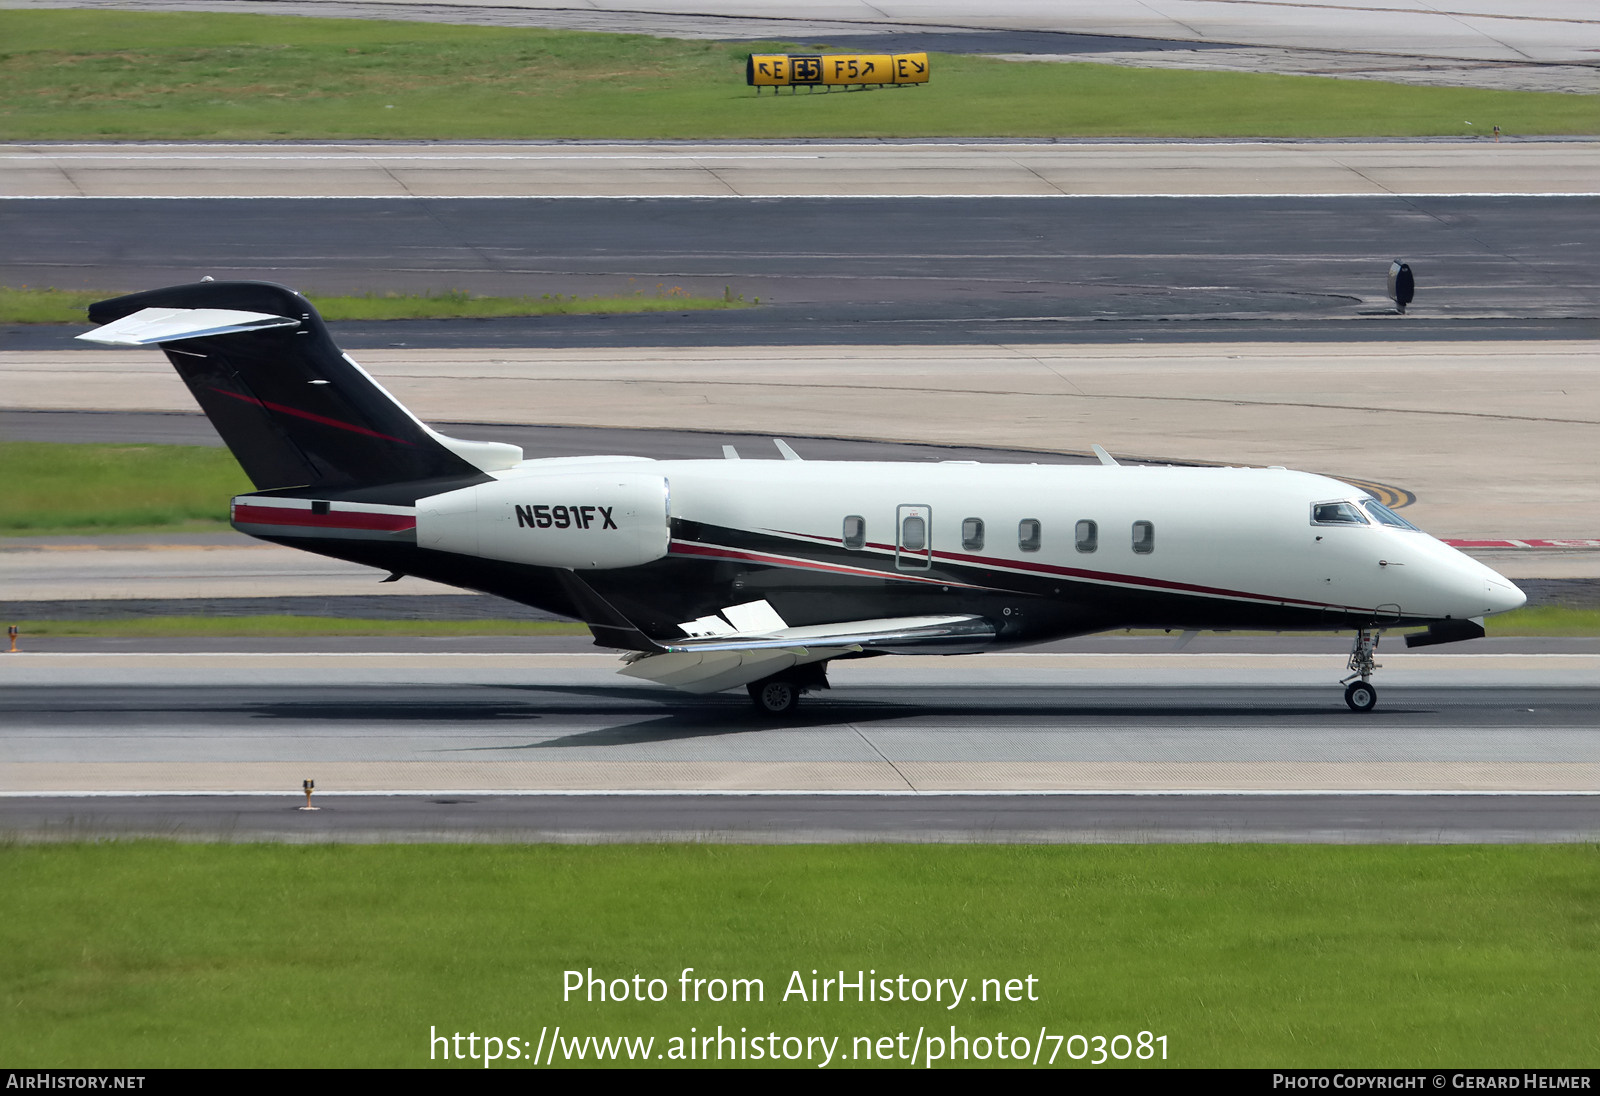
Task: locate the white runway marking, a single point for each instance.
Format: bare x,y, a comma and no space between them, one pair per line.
736,793
685,157
1317,196
990,658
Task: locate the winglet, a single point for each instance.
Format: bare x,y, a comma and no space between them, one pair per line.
1106,458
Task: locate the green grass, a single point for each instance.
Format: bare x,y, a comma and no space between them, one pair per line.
48,487
127,75
1545,620
29,305
147,954
279,625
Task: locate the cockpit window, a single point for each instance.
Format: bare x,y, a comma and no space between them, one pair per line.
1337,513
1383,515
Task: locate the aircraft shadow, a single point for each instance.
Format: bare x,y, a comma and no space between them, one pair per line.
680,726
640,717
367,710
699,722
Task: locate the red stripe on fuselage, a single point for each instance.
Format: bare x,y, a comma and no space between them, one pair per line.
993,563
1130,580
334,519
685,548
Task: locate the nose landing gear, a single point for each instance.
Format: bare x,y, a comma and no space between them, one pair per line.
1361,696
1359,692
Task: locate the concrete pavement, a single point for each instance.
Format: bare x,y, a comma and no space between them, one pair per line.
436,721
805,169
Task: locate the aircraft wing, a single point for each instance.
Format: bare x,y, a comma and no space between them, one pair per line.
711,663
885,633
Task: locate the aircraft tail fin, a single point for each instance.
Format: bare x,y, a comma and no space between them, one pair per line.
295,410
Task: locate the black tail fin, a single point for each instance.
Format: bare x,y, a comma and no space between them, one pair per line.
294,410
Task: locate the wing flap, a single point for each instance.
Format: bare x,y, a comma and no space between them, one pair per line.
713,671
754,618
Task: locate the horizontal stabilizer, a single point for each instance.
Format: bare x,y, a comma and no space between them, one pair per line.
1449,631
151,326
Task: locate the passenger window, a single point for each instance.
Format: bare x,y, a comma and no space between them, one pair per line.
972,534
1029,534
914,534
1337,513
1087,536
1144,537
855,531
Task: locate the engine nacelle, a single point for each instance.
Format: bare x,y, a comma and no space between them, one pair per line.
580,520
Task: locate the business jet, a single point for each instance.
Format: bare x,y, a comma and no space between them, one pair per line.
719,573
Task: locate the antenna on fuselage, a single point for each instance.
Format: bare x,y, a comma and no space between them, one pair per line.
1106,458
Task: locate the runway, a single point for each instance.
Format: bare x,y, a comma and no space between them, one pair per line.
862,269
1092,740
844,243
1117,716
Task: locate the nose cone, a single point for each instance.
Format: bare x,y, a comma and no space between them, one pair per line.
1501,596
1461,587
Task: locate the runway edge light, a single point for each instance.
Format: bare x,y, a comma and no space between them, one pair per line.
1402,286
308,786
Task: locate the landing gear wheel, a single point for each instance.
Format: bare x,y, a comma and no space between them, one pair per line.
775,697
1359,691
1362,696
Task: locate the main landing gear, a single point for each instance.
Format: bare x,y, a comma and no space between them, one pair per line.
1359,691
778,696
775,697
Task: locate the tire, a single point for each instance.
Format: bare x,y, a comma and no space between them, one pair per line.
1362,696
775,697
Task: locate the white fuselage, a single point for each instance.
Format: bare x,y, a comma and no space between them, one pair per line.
1226,535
